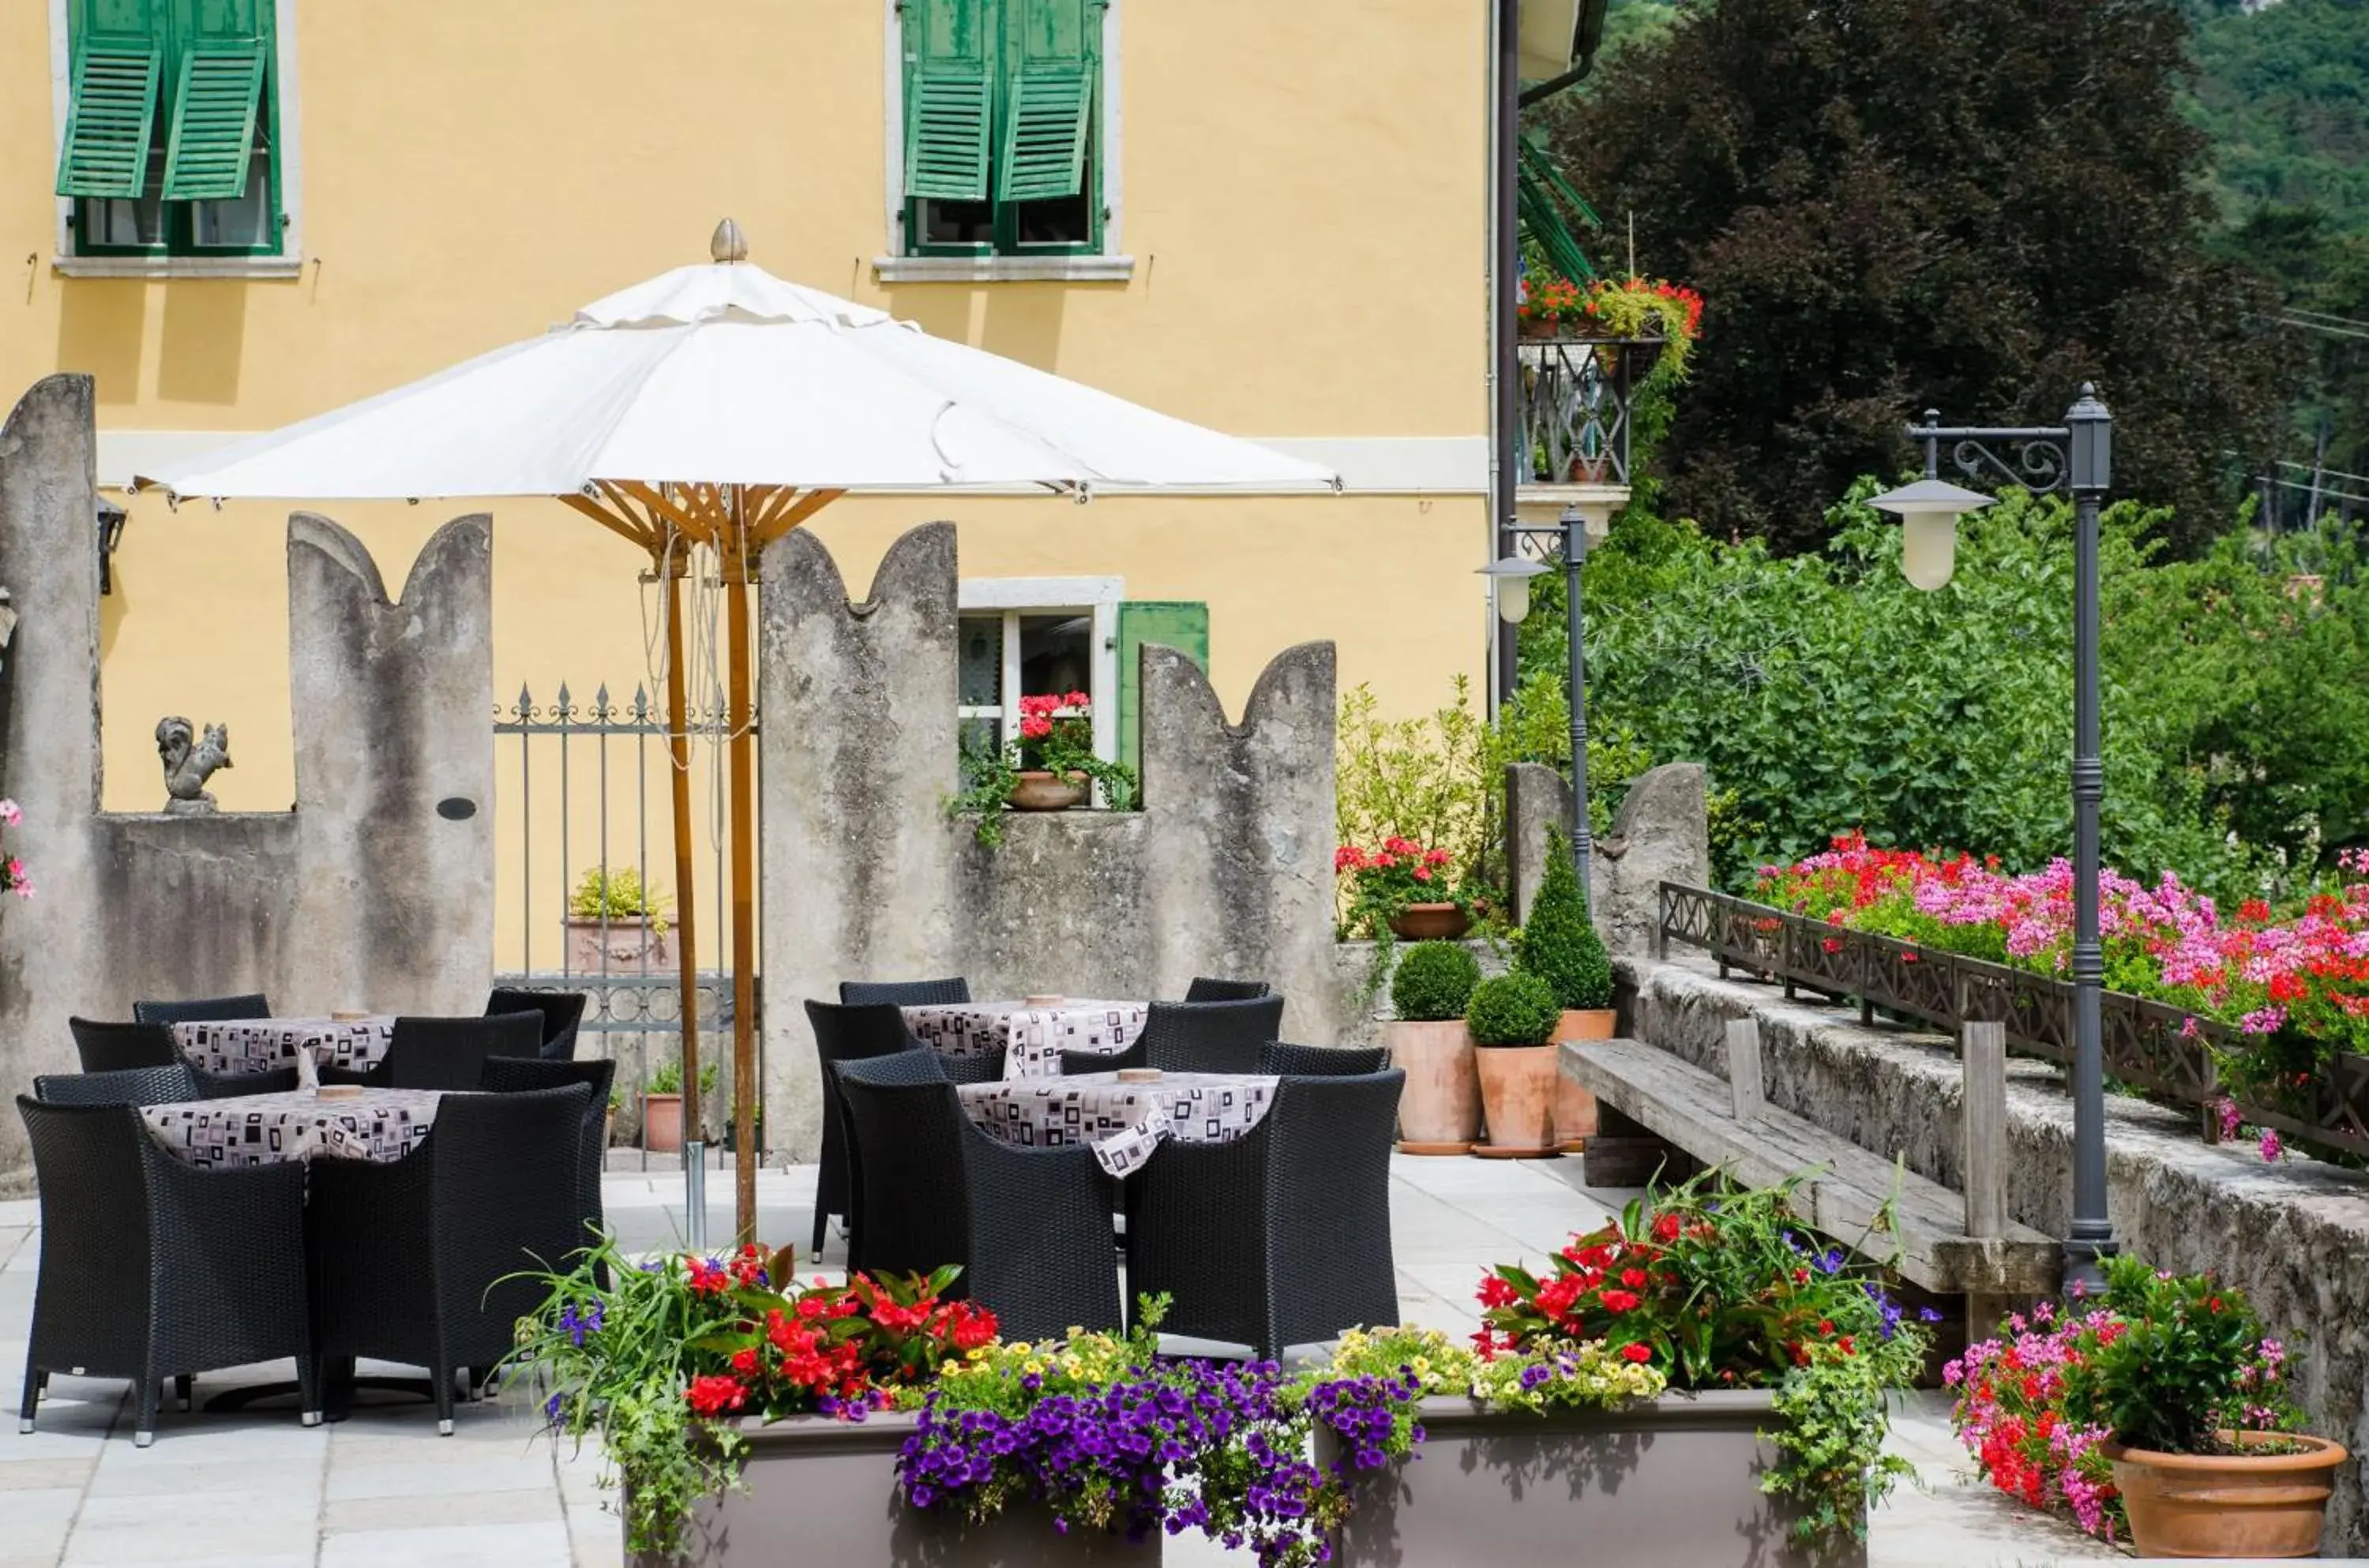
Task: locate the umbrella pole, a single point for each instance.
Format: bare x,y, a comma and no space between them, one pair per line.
746,1157
694,1150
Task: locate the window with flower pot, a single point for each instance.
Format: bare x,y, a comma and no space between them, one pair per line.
1038,637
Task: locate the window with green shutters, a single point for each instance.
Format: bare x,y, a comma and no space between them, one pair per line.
171,128
1003,144
1183,624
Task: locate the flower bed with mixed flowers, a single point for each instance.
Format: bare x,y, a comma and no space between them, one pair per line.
2292,980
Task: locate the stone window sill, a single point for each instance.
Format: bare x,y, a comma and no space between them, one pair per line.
1005,268
179,266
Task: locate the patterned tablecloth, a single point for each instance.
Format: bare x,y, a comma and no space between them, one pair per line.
1124,1122
260,1045
1032,1038
383,1124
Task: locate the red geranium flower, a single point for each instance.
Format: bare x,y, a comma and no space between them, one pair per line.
1637,1353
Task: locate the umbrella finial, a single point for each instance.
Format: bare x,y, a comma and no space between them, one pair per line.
729,245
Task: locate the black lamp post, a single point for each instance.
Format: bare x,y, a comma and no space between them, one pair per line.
2076,456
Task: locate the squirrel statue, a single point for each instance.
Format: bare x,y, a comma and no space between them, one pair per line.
189,762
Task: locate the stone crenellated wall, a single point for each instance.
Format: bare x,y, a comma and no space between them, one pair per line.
1660,833
1228,869
374,890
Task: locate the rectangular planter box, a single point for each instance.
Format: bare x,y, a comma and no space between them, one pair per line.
1675,1483
822,1490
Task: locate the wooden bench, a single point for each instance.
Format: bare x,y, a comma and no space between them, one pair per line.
1947,1244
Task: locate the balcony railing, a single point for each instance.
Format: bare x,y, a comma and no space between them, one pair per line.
1576,406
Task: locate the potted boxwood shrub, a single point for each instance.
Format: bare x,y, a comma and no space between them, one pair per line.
1440,1111
1512,1019
2205,1451
1695,1383
1559,944
617,923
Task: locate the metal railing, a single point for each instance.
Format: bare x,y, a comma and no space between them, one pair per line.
2149,1045
1577,403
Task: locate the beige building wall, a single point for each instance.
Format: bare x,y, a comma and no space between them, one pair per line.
1300,188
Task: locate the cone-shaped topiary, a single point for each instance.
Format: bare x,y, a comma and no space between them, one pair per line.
1512,1010
1433,982
1559,943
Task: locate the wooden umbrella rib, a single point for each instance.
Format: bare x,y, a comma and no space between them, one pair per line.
620,522
699,528
792,513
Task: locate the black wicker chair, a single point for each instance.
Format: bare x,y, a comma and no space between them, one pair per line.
903,994
1029,1227
419,1261
124,1086
106,1047
445,1053
1321,1061
1206,989
518,1075
225,1085
921,1066
203,1010
151,1268
845,1032
983,1068
562,1013
1283,1236
1208,1037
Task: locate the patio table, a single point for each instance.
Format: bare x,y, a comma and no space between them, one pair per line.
260,1045
242,1130
1032,1037
1123,1122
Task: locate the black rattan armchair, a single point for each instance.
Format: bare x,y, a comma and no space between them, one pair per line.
151,1268
226,1086
1208,988
105,1048
419,1261
1283,1236
562,1013
1209,1036
843,1032
918,1065
446,1053
1029,1227
123,1086
1320,1061
903,994
518,1075
203,1010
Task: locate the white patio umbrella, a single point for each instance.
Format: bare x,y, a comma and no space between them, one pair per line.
721,405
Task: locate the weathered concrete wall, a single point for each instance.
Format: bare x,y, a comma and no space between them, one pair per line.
365,894
1228,869
1661,833
2294,1235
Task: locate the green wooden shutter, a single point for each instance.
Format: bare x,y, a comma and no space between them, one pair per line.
1180,624
216,96
113,115
949,99
1054,48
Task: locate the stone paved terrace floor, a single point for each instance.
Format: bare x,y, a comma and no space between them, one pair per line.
382,1491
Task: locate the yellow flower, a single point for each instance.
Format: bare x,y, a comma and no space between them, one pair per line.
1034,1368
979,1352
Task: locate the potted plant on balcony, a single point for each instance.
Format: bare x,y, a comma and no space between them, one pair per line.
1049,766
2206,1451
1440,1110
1512,1019
1559,944
616,922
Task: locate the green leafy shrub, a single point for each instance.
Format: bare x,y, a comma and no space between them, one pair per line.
1559,943
2177,1360
1512,1010
1433,982
618,895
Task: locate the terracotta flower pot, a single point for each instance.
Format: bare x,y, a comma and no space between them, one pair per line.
1040,791
1440,1110
1536,326
662,1123
1430,922
1575,1107
618,947
2228,1505
1518,1089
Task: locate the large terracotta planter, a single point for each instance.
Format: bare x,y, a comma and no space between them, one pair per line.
1041,790
1440,1110
662,1123
822,1490
1430,922
618,947
1675,1482
1575,1107
2228,1505
1518,1091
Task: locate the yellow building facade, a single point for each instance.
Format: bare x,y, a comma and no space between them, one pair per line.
1266,219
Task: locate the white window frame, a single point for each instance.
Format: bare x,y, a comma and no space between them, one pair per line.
286,149
892,266
1015,596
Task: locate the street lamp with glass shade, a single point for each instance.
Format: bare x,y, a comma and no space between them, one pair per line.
1929,511
1510,577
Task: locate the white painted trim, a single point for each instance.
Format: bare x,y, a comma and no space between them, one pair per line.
892,267
1037,593
1003,268
1099,596
287,152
